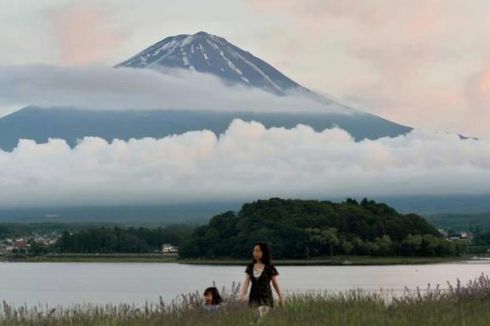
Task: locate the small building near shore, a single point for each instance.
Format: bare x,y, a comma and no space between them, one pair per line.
20,246
167,248
461,236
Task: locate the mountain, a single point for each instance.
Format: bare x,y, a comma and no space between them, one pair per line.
72,124
200,52
211,54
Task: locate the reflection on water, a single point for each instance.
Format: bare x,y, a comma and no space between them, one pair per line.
71,283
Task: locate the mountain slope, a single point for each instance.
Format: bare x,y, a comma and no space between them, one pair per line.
71,124
208,53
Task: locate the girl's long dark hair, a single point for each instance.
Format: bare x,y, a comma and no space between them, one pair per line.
266,253
215,294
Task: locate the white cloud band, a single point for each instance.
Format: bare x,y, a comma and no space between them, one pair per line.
247,162
99,87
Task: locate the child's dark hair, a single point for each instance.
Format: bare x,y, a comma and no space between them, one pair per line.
215,294
266,253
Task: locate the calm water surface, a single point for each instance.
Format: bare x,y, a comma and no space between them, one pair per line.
71,283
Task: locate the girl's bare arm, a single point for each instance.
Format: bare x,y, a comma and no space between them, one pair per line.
244,291
275,283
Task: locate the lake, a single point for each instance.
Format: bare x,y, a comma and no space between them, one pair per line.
71,283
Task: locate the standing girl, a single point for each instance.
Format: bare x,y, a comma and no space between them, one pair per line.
261,273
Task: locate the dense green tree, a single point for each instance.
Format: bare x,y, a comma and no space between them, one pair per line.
294,228
385,245
311,228
121,240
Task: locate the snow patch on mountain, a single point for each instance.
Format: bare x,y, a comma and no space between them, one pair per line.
206,53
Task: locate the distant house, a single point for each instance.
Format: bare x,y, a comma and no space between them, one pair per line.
20,246
4,248
461,236
45,240
167,248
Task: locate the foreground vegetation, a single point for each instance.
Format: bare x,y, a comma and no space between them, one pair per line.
459,305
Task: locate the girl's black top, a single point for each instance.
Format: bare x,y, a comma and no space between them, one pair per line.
261,292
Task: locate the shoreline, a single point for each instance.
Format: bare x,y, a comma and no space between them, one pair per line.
337,261
156,258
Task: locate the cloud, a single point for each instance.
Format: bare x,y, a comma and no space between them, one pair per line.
247,162
100,87
84,33
413,62
477,90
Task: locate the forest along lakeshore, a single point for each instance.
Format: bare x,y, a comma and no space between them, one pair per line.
324,232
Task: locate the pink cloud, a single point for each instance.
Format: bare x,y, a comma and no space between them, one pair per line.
477,92
84,34
421,63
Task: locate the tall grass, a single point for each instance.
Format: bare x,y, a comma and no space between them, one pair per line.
459,304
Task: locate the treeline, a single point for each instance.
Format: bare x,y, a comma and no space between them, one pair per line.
472,222
480,242
296,229
310,228
14,230
121,240
482,239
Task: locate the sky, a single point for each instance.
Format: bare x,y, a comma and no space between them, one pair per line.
425,64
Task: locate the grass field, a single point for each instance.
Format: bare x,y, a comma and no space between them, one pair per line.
467,304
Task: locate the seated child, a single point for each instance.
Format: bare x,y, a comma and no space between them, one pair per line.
212,300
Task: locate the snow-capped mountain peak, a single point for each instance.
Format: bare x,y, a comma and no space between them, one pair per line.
208,53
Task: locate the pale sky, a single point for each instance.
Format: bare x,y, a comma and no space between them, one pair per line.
424,64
